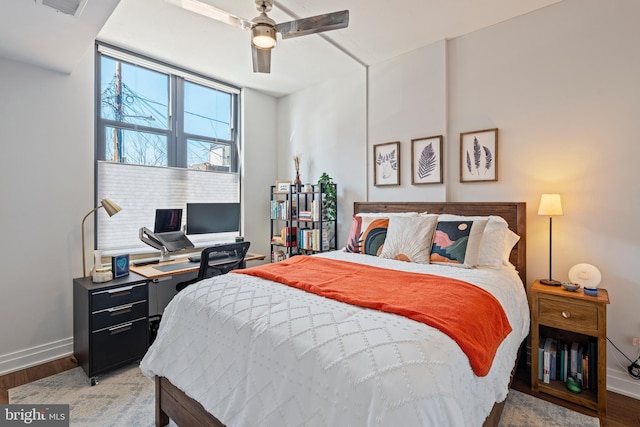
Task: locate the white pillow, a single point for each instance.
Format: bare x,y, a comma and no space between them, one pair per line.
510,240
492,246
409,238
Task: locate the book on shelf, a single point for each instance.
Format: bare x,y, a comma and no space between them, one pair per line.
305,216
546,375
593,362
574,359
283,209
541,362
579,360
313,239
276,240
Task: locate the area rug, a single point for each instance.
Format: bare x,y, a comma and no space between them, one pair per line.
125,397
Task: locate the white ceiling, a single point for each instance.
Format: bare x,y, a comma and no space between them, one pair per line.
378,31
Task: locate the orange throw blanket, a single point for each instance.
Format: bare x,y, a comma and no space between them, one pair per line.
469,315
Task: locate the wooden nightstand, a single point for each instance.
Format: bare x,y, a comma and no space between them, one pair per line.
569,317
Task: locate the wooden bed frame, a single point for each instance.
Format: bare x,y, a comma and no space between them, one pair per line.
171,402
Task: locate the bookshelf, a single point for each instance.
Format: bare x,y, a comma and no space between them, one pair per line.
578,321
299,224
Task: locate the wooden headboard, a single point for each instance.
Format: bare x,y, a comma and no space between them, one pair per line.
513,212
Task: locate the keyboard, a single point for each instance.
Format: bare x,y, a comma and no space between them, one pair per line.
217,255
141,263
212,256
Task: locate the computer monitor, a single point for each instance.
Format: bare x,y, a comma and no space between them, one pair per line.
204,218
167,220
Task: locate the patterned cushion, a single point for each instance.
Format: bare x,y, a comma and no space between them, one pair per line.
367,235
457,243
353,244
493,238
409,238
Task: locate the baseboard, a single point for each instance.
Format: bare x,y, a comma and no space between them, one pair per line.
620,382
35,355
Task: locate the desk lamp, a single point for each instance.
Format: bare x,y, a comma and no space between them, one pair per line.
111,209
550,205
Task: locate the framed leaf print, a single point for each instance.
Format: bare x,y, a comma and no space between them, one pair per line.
426,160
479,155
386,166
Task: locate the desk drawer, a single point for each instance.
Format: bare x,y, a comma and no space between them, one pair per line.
118,345
122,295
568,315
114,315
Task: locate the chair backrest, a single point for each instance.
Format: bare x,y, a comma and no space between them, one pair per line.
218,259
221,259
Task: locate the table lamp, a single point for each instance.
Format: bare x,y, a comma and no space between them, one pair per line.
111,209
550,205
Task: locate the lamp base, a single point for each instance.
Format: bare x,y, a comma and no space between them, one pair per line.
550,282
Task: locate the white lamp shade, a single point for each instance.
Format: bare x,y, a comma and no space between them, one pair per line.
550,205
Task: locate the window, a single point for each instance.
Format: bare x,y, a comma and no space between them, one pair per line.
166,137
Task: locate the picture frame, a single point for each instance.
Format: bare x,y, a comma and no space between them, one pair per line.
283,186
120,265
479,155
386,164
426,160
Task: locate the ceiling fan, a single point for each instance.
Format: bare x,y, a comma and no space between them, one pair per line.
263,29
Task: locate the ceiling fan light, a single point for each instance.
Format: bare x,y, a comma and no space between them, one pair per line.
263,36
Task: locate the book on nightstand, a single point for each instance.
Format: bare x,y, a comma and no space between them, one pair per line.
546,374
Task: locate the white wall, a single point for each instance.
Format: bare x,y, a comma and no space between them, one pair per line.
259,165
46,175
407,100
326,125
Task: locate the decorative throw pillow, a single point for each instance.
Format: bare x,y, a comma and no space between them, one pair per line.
493,238
457,243
367,235
409,238
353,240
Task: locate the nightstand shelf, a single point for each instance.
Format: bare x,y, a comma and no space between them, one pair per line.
571,317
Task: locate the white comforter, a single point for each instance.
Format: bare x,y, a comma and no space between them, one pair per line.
258,353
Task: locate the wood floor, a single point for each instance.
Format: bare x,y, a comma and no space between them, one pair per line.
622,411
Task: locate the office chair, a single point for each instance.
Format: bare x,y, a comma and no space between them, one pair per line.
217,260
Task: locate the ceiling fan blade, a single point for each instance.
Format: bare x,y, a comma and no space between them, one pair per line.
261,60
314,24
212,12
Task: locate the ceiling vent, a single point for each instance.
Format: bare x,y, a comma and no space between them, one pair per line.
68,7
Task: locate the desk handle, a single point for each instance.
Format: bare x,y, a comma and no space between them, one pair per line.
120,308
123,289
120,328
566,314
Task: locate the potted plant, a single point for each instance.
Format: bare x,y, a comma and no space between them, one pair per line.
329,198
